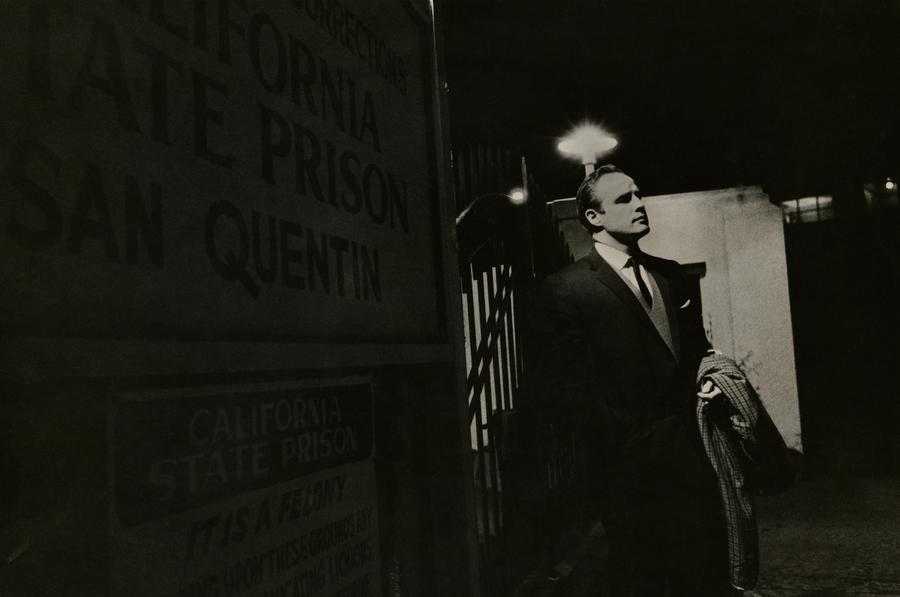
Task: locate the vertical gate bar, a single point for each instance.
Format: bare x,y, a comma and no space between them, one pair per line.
481,417
487,403
475,327
510,354
511,332
495,388
497,355
519,364
484,520
472,344
481,360
491,324
503,290
502,358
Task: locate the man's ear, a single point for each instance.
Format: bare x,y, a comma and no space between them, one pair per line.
594,217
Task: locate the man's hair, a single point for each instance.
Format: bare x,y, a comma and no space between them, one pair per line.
585,198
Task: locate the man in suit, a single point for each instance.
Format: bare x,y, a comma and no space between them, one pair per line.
623,356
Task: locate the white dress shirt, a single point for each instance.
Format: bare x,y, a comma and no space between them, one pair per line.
617,260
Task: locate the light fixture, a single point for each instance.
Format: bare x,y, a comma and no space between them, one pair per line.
587,142
489,201
517,196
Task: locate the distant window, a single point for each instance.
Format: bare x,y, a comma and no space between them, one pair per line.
880,195
808,209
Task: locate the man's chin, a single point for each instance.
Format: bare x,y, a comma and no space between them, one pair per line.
642,231
631,236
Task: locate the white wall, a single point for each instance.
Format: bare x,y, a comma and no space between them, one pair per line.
739,235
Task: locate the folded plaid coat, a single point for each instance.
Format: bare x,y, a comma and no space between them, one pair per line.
742,443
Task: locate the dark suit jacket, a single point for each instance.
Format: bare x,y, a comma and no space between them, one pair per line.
606,361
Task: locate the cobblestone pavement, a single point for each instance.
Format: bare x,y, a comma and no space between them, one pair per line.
822,538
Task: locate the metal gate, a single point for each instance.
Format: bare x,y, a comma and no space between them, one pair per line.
522,461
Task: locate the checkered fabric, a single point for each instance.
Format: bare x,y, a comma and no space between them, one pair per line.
728,426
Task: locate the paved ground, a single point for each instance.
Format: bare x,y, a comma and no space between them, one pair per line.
832,537
824,538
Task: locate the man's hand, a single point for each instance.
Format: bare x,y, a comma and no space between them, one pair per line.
708,391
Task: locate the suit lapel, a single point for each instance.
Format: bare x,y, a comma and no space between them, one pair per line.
665,290
609,278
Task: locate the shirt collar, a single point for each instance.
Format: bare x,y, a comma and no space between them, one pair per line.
614,257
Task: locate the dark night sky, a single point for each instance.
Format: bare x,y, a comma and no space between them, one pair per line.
798,96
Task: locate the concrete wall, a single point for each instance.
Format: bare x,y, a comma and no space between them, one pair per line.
738,234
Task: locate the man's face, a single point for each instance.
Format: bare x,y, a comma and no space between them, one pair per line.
623,213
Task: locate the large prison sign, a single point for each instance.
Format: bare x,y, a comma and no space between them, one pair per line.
262,490
231,169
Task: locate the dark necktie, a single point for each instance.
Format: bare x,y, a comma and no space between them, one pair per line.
634,261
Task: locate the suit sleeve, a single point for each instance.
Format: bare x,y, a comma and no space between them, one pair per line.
562,348
570,394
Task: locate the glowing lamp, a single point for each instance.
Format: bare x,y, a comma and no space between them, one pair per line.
587,142
492,202
517,196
